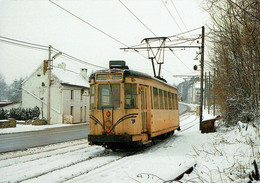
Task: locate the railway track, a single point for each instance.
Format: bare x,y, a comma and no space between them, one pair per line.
37,164
53,162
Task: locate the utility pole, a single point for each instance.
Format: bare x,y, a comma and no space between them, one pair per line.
209,97
50,67
205,90
49,88
214,93
201,74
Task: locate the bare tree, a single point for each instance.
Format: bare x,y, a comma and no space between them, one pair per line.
235,38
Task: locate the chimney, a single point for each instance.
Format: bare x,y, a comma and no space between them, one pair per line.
83,73
62,66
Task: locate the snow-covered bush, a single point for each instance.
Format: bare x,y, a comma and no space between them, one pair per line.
232,155
24,114
3,114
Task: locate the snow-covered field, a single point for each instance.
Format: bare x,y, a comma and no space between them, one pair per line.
219,157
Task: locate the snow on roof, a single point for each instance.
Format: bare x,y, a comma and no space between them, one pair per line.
68,77
5,102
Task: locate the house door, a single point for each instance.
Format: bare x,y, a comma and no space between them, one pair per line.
143,98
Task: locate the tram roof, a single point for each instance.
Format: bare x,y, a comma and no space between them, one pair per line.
128,72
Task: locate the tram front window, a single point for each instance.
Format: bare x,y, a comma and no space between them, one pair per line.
108,96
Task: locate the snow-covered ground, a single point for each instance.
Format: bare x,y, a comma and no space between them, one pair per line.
219,157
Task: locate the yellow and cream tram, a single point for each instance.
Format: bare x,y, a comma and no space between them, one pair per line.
129,107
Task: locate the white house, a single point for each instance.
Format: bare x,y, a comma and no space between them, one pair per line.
69,94
193,93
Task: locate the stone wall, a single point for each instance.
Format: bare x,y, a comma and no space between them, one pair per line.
7,123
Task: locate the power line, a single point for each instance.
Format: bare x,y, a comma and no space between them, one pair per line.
23,42
110,35
76,59
88,23
92,25
19,43
171,15
179,59
184,32
45,48
137,18
179,15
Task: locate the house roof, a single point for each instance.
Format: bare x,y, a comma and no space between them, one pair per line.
67,77
5,103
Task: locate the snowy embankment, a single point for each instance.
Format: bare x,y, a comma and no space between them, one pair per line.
219,157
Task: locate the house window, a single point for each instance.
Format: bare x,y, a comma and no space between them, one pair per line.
85,114
81,113
81,94
71,94
71,110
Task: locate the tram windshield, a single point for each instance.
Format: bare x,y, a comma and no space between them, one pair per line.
108,96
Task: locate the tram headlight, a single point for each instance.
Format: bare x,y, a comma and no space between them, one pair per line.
108,124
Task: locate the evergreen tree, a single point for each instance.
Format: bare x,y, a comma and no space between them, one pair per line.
3,88
15,91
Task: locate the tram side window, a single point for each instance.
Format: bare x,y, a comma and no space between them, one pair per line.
92,97
155,98
165,99
108,96
176,100
161,99
173,101
169,100
130,96
151,94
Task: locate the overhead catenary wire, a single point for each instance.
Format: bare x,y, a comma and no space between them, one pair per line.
110,35
137,18
171,16
180,60
94,27
185,32
179,15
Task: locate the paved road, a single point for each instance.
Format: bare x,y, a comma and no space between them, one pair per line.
183,108
23,140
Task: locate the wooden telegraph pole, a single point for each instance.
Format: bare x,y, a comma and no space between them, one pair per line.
201,74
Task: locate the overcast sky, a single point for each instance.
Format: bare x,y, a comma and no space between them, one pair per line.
42,22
